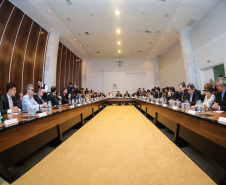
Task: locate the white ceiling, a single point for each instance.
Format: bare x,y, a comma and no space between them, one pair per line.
163,18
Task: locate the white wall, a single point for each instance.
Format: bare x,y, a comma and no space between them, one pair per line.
209,39
101,74
172,67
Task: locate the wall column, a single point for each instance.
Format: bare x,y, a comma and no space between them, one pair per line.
190,69
51,59
84,67
157,72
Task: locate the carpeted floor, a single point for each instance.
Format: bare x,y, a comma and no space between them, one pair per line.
118,146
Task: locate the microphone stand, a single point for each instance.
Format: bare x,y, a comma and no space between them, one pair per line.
39,111
1,105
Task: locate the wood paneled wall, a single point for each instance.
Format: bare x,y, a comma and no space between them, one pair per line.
22,48
22,52
69,68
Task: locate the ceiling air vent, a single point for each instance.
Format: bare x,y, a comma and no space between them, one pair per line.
191,22
98,52
87,33
147,31
139,51
69,2
68,19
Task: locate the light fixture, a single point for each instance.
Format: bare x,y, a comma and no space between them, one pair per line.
119,51
162,38
117,12
50,10
75,39
80,45
119,42
118,31
52,29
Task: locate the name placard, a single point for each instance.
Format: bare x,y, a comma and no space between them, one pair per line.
40,115
164,105
11,122
222,120
175,108
71,106
192,112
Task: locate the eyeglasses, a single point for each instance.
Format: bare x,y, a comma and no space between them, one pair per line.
32,89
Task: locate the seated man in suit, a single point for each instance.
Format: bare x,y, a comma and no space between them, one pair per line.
9,102
19,101
28,99
39,97
193,94
221,95
118,95
52,96
127,95
158,94
183,92
63,95
172,94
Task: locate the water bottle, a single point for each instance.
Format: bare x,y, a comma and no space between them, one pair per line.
73,101
182,106
0,117
28,109
199,109
188,106
32,111
50,105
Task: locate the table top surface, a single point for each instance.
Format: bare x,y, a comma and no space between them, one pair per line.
23,117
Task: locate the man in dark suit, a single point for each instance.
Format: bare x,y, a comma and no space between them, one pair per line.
52,96
118,95
193,94
221,95
138,92
172,94
19,101
39,98
63,94
8,100
127,95
158,94
183,92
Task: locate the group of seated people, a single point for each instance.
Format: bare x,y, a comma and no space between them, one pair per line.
9,103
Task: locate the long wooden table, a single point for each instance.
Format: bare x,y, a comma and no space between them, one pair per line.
17,142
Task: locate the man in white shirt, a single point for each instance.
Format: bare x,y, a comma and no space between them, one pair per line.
109,95
28,99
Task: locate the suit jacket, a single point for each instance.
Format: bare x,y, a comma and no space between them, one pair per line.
195,98
38,100
128,95
182,96
64,99
221,103
53,99
5,103
174,96
118,95
158,95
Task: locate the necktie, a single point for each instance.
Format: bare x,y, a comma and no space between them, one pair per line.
11,103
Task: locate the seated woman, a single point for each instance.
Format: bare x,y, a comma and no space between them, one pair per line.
209,98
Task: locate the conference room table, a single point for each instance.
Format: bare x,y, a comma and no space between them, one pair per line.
202,130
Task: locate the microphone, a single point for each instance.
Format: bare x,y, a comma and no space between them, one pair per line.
39,111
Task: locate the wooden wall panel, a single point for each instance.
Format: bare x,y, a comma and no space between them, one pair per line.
30,56
6,48
40,56
75,71
19,52
18,48
67,67
71,67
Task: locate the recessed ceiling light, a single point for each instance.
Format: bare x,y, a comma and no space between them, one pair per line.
75,39
177,36
175,19
119,42
68,31
162,38
80,45
118,31
50,10
168,29
117,12
84,50
119,51
52,29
